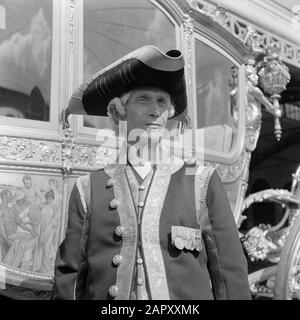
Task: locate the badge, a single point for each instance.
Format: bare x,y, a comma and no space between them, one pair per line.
186,238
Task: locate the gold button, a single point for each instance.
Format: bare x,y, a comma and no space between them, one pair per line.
113,291
139,261
141,204
117,259
110,183
120,231
140,281
142,187
114,203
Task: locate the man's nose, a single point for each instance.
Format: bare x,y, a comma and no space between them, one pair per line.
154,110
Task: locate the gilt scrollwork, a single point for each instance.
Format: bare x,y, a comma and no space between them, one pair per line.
23,149
233,90
188,29
278,195
194,4
273,77
253,41
67,147
93,157
221,17
255,98
229,172
71,24
294,282
263,241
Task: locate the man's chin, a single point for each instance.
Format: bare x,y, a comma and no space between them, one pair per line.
154,135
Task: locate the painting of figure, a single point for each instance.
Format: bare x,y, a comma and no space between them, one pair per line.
30,221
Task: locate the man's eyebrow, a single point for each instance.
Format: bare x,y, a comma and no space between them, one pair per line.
142,95
163,96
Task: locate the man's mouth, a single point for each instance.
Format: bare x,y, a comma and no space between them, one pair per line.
153,125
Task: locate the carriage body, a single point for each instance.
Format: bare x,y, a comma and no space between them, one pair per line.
224,105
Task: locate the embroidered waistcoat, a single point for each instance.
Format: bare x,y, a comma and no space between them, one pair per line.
106,239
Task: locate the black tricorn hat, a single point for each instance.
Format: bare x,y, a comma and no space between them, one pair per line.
144,67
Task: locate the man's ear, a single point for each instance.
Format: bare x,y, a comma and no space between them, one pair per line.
171,111
116,110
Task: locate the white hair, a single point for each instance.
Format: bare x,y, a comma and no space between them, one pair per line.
116,109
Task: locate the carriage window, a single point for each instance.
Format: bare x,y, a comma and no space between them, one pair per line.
25,59
114,28
2,17
216,98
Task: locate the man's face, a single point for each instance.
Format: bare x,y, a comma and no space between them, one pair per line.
147,109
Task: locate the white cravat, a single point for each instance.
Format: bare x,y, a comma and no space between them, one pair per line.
144,167
142,170
139,165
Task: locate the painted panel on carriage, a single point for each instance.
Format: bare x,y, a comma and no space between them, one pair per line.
112,29
25,59
30,218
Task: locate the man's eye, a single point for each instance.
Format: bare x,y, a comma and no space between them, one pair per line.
142,99
162,102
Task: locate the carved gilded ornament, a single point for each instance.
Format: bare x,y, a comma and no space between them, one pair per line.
188,30
68,144
233,87
294,281
253,109
220,16
279,195
216,13
255,96
273,78
288,51
263,290
252,41
266,242
87,156
230,172
71,24
193,4
257,245
274,75
21,149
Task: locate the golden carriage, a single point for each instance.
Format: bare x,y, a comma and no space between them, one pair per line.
224,109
